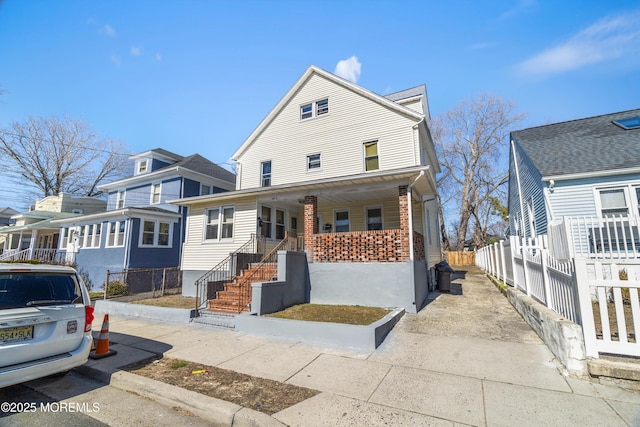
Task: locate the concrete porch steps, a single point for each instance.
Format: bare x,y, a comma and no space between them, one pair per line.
229,299
621,368
222,320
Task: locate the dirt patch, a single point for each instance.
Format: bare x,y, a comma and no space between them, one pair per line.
349,314
613,321
262,394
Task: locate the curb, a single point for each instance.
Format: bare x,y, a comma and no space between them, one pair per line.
216,411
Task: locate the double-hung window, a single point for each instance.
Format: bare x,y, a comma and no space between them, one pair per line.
265,174
120,200
142,166
371,162
374,218
155,233
341,220
265,221
613,202
155,193
115,237
280,224
219,223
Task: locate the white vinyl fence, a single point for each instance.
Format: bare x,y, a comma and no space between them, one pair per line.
597,290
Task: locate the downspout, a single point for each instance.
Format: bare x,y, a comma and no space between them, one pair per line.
128,241
410,213
515,162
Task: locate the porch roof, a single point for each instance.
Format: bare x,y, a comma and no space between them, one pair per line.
126,212
332,190
45,224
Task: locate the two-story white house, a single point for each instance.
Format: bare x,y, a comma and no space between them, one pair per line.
348,176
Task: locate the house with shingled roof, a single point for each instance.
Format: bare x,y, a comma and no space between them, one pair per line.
587,170
337,181
139,228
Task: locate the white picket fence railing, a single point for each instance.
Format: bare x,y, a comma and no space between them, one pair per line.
586,290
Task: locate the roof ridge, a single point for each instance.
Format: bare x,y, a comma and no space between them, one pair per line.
578,120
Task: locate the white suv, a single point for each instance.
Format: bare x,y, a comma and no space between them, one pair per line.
45,321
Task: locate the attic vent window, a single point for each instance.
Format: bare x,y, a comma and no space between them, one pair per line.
314,109
630,123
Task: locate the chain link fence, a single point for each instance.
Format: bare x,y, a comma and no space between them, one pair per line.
151,282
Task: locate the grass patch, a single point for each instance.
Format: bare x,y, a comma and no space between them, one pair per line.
169,301
96,295
178,364
348,314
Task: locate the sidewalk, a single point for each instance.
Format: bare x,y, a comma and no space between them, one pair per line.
467,358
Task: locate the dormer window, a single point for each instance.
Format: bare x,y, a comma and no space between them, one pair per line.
120,200
142,166
314,109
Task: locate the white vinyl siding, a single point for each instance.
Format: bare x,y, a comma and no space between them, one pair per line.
203,255
357,215
353,119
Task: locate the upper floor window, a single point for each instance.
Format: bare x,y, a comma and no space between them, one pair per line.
314,109
205,189
313,162
265,174
143,166
155,193
371,162
120,200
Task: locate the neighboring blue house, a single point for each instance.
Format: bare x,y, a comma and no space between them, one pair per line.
140,229
587,168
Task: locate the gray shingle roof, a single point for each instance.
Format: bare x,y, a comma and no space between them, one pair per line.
407,93
592,144
197,163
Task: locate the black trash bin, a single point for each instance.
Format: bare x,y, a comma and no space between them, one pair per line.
443,276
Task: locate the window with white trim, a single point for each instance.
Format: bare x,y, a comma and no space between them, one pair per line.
155,233
341,220
265,174
81,236
120,200
613,202
205,189
143,166
371,161
115,237
374,217
293,229
219,223
265,221
313,162
155,193
314,109
280,224
64,238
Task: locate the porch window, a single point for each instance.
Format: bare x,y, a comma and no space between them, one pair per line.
280,225
374,218
638,198
155,193
64,238
265,174
293,230
89,234
213,217
219,223
613,202
116,233
227,222
265,217
371,156
341,220
96,235
81,237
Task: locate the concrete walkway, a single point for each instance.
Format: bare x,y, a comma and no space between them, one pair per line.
466,359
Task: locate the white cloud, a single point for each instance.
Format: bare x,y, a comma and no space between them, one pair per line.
349,69
607,39
158,57
107,30
116,60
135,51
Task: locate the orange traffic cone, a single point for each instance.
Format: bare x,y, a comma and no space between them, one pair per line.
102,349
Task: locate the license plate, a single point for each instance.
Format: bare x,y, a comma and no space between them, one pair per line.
22,333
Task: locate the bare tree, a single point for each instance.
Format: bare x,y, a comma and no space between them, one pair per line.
53,155
471,140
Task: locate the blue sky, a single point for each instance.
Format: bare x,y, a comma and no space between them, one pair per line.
199,76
